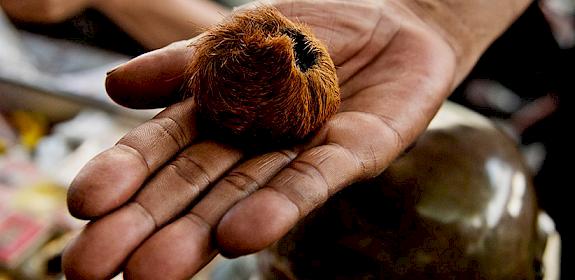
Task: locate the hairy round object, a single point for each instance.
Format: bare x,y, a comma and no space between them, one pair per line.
260,80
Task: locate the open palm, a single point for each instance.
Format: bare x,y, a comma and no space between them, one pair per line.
164,201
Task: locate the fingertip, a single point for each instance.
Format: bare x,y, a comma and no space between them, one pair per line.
76,205
152,80
101,249
74,267
105,183
177,251
255,223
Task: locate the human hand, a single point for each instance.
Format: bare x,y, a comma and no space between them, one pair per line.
155,24
43,11
164,201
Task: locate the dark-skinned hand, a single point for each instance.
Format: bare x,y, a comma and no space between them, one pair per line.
164,201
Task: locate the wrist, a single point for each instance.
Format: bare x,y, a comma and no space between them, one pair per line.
469,27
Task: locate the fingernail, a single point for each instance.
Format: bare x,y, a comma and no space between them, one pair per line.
114,69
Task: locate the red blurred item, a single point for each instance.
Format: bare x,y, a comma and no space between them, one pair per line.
20,235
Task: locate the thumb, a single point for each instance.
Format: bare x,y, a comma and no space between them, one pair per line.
152,80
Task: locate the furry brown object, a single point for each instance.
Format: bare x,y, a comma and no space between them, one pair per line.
262,81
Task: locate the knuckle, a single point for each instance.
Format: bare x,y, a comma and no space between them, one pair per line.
191,172
146,212
173,129
308,169
191,184
199,221
397,136
242,182
375,152
307,188
288,155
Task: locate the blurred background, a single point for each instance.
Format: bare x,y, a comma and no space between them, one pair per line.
525,83
55,114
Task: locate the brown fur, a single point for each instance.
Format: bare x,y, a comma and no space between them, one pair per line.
260,80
